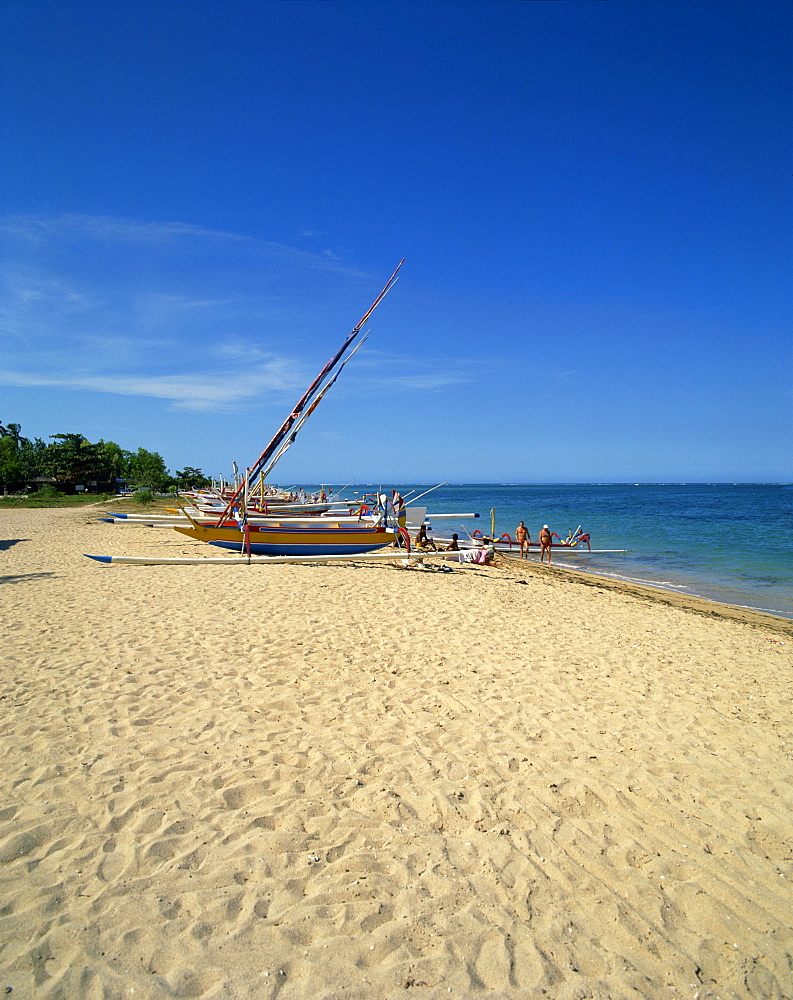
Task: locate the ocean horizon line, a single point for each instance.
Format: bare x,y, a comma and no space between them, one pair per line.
561,482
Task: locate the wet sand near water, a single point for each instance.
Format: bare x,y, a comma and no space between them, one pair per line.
327,781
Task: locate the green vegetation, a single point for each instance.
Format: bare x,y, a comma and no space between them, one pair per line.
49,497
46,493
39,474
144,496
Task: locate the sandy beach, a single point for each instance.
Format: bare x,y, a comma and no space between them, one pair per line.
357,781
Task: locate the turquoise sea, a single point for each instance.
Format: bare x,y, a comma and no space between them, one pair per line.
728,543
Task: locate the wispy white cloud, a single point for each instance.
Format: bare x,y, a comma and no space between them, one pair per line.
401,373
427,381
203,319
189,392
223,390
567,376
112,230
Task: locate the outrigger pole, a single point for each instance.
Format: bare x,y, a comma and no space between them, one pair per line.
273,447
414,499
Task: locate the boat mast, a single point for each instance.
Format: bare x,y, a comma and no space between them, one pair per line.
273,447
290,440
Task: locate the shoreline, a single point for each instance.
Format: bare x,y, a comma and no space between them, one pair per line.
684,538
345,781
660,595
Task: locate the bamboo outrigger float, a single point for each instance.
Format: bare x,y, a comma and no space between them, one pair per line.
396,555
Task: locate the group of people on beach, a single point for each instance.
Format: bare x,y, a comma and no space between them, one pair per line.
481,555
523,538
423,541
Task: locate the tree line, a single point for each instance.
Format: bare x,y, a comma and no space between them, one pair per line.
71,460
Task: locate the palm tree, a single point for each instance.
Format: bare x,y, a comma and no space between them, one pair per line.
13,431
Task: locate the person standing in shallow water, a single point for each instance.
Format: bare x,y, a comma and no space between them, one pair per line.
522,537
545,543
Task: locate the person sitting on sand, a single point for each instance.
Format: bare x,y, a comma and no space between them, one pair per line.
522,537
545,543
422,541
453,546
486,554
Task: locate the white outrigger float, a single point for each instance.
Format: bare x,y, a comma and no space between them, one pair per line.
398,555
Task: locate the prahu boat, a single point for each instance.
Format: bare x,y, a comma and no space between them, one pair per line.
320,537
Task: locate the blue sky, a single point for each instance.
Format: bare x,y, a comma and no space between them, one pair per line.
200,200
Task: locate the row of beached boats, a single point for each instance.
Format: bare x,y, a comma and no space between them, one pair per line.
283,527
258,522
249,530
